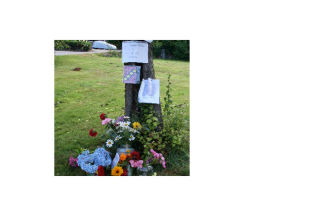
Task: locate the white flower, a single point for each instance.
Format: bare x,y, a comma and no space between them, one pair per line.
131,138
133,130
126,117
109,143
118,137
124,124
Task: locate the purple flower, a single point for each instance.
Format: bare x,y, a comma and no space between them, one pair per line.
121,118
73,161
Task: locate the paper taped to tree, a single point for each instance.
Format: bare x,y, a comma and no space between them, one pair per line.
149,91
134,51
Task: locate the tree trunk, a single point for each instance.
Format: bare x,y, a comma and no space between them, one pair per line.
131,90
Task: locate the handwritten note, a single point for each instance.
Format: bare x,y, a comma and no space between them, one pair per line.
134,51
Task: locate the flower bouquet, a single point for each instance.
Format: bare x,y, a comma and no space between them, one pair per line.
119,153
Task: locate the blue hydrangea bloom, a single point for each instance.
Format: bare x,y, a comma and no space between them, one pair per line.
101,157
90,162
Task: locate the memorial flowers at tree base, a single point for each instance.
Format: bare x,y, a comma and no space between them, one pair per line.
120,153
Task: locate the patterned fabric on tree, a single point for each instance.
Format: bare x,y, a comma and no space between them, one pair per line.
131,74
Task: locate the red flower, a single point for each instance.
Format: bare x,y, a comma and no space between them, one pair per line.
125,172
93,133
102,116
101,171
135,155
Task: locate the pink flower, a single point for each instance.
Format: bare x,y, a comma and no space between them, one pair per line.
105,121
156,155
152,151
163,164
73,161
136,163
159,157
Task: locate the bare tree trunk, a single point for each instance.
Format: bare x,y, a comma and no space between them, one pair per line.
132,90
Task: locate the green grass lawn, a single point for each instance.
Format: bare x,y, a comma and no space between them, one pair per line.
80,97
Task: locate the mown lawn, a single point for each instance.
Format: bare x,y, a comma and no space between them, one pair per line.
80,97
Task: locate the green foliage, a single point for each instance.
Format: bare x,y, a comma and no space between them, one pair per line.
78,45
167,99
175,132
175,125
117,43
150,137
174,49
61,45
176,129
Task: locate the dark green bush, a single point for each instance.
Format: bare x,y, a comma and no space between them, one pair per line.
174,49
78,45
61,45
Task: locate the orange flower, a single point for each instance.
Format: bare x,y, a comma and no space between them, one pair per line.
123,157
117,171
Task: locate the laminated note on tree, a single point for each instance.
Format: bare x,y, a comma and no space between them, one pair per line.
149,91
134,51
131,74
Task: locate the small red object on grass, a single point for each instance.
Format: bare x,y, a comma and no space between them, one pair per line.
93,133
103,116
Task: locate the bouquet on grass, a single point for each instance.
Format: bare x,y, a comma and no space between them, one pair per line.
119,153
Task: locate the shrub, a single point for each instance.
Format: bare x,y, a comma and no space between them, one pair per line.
175,132
78,45
174,49
61,45
175,123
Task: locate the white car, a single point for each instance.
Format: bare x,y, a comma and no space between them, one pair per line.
103,45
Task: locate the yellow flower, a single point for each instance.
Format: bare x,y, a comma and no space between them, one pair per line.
117,171
136,125
123,157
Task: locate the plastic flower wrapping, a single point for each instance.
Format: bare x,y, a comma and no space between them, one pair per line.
120,152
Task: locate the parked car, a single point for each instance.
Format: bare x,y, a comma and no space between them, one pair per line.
103,45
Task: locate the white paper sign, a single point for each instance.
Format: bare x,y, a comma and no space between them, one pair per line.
149,91
134,51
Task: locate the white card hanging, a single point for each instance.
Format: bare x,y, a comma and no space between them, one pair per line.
149,91
134,51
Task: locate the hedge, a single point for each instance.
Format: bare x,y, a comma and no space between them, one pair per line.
78,45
